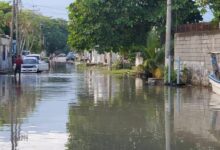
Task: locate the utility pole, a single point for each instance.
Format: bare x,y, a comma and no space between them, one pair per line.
42,40
17,27
168,40
12,25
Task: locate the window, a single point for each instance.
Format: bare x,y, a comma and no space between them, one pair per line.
30,61
4,53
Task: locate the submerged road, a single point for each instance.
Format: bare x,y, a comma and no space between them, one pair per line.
70,108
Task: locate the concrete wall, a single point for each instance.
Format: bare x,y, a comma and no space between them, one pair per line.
139,60
103,58
4,60
193,49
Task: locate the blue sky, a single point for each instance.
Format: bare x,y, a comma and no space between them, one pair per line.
57,8
208,16
53,8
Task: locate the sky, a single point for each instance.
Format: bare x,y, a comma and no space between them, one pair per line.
58,8
208,16
51,8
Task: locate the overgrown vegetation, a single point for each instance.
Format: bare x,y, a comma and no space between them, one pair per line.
127,27
154,54
36,31
5,18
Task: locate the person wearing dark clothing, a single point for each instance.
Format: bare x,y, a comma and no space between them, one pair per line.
18,63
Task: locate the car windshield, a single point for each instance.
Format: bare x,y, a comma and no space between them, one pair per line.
69,55
38,57
30,61
25,53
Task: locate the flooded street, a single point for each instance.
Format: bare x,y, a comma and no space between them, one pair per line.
75,109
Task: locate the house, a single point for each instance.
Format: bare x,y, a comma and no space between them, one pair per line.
4,54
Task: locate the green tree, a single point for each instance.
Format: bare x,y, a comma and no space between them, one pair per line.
110,24
39,33
154,54
213,5
55,33
5,17
30,31
114,25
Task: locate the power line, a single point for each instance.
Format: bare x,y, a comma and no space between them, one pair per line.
47,7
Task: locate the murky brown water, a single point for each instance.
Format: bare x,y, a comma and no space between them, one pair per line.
76,109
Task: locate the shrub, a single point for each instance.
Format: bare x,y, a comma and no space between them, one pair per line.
140,69
120,65
173,75
158,73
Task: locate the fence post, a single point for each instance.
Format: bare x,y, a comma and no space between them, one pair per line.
178,70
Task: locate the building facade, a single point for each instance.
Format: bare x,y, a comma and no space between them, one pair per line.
4,54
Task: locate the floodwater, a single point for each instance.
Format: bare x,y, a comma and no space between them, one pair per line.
74,109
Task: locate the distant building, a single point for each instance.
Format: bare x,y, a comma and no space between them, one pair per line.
4,53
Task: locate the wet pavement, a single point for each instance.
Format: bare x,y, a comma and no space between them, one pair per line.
70,108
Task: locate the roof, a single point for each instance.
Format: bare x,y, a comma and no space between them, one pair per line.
214,52
30,58
33,55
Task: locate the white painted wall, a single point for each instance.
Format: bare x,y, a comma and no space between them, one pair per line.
4,63
139,60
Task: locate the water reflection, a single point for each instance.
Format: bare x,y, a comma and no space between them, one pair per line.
85,109
214,106
33,112
140,117
110,116
14,106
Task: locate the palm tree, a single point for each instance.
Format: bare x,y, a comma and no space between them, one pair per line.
154,54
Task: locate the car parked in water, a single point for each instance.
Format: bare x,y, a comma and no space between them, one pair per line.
30,64
43,66
70,56
37,56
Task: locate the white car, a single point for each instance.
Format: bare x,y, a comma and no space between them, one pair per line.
43,66
30,64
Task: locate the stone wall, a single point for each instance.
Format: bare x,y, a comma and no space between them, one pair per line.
193,49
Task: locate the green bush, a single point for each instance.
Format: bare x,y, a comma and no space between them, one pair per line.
186,75
120,65
173,75
140,69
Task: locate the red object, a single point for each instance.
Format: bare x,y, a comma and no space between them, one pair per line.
18,62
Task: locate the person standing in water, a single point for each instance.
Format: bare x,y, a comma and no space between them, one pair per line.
18,63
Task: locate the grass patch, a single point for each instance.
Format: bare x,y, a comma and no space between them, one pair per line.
121,72
81,66
104,69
